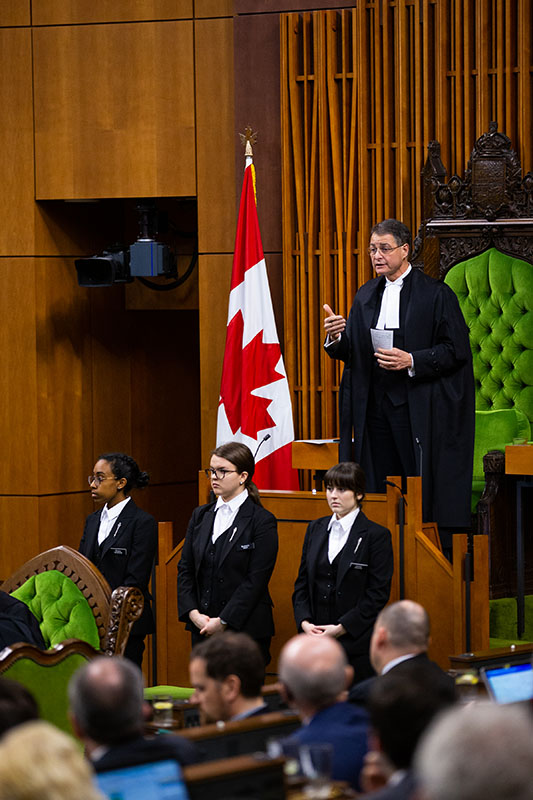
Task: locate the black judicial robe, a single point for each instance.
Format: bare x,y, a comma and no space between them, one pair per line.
440,397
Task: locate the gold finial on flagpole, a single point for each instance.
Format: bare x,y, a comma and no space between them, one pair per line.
248,138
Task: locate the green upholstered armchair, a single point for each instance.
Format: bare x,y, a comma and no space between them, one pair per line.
71,599
477,235
47,674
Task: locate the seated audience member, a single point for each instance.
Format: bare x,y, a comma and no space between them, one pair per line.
345,571
17,705
401,706
107,711
314,674
17,623
39,761
227,673
482,751
401,634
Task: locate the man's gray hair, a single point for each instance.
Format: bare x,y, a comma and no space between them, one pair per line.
316,685
478,752
407,625
106,698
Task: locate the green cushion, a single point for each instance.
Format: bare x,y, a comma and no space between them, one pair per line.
495,293
48,685
494,430
176,692
60,607
503,620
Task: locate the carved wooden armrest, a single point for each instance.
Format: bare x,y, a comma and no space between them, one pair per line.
494,469
127,603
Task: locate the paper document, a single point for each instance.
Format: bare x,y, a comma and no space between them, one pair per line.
383,339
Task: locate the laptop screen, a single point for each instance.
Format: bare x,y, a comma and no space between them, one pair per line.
160,780
509,684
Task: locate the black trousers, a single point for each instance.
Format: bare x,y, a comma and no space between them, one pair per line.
135,649
389,435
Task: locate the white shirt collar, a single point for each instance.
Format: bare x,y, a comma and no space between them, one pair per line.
396,661
114,511
235,503
400,279
345,522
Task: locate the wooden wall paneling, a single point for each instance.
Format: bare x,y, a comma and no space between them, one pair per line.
110,397
18,377
442,98
525,84
19,536
215,136
292,208
15,12
64,380
256,48
79,12
16,137
404,101
165,393
213,8
362,69
61,519
214,285
116,138
483,34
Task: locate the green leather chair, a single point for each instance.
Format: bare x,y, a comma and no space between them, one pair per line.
495,293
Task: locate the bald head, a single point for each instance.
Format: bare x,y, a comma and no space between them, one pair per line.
402,628
106,699
314,670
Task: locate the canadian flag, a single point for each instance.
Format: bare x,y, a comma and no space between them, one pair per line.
255,404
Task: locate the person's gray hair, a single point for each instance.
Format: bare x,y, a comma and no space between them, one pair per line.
106,697
314,684
478,752
407,625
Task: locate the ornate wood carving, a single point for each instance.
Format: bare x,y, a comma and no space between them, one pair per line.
127,603
491,206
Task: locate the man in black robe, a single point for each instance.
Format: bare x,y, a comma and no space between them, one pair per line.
17,623
407,392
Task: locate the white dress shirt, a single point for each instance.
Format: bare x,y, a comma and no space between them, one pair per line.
108,518
339,530
225,513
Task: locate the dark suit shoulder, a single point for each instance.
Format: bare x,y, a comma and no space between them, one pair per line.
144,750
370,524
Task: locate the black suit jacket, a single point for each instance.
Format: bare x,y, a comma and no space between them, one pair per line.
364,576
247,560
141,750
127,555
360,692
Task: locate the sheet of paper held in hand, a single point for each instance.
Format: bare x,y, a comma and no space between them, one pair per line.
383,339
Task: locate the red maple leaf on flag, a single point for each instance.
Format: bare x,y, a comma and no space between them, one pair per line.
246,369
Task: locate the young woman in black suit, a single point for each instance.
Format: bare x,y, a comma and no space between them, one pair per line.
121,539
228,555
345,571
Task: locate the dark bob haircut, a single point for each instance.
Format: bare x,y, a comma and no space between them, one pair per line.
347,475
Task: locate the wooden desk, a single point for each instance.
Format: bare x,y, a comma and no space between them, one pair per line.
519,461
320,454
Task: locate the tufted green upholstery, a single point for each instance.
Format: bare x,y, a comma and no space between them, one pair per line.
494,430
60,607
495,293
